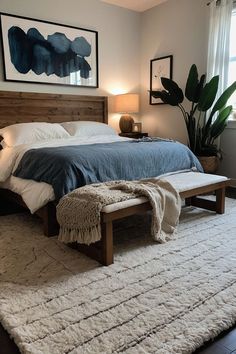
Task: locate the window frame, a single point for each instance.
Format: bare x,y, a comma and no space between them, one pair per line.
233,60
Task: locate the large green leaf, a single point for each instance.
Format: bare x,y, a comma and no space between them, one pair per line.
199,89
217,132
194,87
155,94
219,124
221,128
173,89
223,99
165,97
170,99
208,94
191,84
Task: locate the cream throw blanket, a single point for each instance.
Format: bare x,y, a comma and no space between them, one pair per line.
79,212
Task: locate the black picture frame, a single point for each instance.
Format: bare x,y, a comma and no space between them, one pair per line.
37,51
159,67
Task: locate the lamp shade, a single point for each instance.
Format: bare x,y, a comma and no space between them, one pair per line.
127,103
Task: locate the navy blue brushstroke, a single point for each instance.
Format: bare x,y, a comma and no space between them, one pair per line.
55,55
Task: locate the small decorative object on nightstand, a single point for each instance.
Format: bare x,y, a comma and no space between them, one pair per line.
126,103
134,135
137,127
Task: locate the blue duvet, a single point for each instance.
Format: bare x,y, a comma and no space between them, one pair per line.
70,167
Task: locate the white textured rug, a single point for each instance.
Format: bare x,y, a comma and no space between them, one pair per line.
160,299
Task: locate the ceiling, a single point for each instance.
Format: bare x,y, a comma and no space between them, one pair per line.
136,5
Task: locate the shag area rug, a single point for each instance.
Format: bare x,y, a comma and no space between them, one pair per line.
156,298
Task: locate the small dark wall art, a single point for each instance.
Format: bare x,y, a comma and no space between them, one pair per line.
46,52
159,67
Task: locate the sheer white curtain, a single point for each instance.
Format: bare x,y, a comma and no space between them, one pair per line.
219,39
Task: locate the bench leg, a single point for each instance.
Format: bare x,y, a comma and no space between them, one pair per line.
218,205
101,251
188,201
220,201
107,243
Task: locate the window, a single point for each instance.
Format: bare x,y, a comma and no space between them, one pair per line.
232,55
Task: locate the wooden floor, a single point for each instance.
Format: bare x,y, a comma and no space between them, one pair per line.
224,344
7,346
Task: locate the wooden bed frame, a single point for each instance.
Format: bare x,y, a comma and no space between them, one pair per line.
23,107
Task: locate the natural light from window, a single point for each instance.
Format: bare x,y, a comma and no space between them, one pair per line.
232,55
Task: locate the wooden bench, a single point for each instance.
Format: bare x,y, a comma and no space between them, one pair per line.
189,184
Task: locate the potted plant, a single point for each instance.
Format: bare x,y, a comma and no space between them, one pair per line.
206,119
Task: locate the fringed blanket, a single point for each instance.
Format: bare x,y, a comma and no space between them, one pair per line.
79,212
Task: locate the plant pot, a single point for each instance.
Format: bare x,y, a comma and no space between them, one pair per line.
209,164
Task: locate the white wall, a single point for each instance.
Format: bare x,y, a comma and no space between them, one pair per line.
178,27
228,147
118,43
127,42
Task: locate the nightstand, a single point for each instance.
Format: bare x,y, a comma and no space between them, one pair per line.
134,135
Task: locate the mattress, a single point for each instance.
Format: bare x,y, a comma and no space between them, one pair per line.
37,194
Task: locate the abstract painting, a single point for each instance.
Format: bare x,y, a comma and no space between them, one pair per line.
45,52
159,67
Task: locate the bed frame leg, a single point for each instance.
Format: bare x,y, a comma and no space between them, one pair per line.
107,243
50,224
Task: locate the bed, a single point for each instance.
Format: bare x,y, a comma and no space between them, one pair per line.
16,107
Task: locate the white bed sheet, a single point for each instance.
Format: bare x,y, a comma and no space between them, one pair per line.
37,194
34,194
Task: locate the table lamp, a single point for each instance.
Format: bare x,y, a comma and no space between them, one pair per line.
125,104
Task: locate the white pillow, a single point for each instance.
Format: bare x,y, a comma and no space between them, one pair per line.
84,128
28,133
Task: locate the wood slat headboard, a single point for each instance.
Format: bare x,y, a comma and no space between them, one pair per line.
23,107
